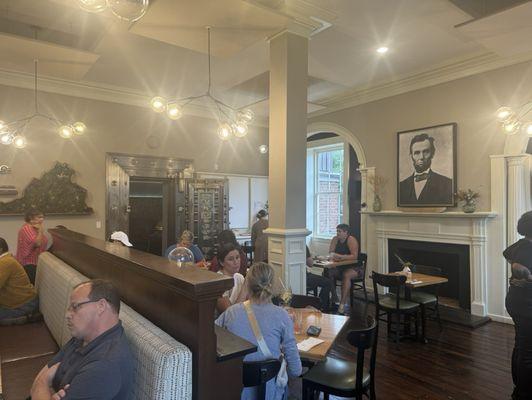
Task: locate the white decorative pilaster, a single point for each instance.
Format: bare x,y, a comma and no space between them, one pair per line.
478,265
365,195
518,192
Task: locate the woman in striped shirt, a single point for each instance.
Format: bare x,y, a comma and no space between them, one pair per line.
31,242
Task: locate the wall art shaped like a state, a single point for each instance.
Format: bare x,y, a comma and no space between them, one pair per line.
53,193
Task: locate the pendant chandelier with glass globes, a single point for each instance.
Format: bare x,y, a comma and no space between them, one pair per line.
231,121
514,120
12,133
126,10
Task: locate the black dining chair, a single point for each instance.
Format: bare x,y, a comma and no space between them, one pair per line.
360,282
301,301
429,301
393,305
258,373
248,249
345,378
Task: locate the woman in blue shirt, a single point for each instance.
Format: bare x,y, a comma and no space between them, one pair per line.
274,323
187,240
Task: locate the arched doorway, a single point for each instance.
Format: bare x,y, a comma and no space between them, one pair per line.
321,135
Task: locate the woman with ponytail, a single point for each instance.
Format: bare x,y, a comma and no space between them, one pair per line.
274,325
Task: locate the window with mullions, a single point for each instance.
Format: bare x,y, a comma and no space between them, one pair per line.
328,187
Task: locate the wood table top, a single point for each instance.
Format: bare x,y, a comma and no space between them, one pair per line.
330,325
333,264
420,280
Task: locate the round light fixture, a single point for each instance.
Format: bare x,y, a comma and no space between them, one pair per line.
94,6
246,115
19,142
224,131
174,111
240,129
79,128
263,149
382,50
6,138
504,113
528,128
128,10
66,131
511,126
158,104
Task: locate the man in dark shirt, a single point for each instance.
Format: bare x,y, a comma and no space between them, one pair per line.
97,362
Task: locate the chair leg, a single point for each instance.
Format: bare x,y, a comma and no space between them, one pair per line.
306,391
351,295
423,321
325,396
261,392
438,314
365,291
398,328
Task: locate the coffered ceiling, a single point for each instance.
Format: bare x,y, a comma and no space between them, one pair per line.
165,52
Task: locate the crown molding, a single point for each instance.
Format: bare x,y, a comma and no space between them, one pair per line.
100,92
460,68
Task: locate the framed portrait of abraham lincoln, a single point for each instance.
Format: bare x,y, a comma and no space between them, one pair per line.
426,166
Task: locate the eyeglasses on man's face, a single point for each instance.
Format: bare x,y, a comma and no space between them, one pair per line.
74,307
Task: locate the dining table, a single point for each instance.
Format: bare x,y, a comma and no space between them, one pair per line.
330,325
327,264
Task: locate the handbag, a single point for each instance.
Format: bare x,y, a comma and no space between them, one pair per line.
282,376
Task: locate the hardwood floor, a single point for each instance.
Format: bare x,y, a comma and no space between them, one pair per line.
458,363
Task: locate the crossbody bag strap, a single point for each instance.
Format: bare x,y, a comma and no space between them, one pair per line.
256,330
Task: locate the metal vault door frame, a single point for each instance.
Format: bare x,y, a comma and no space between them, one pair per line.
119,168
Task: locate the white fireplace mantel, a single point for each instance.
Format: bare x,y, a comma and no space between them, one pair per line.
445,227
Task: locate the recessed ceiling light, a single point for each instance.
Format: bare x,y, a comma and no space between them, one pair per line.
382,50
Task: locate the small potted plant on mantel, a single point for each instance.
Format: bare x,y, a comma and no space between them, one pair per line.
378,183
469,198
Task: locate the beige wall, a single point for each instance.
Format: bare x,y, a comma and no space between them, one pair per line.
111,128
470,102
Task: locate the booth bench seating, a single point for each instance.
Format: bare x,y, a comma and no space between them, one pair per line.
163,366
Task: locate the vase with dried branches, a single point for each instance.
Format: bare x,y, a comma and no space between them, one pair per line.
377,183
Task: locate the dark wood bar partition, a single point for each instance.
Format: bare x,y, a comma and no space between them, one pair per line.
179,301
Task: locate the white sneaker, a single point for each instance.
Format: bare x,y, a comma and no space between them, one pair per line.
341,309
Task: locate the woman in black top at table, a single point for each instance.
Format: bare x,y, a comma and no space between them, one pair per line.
343,247
519,306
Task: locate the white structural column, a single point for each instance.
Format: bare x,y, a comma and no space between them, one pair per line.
518,192
287,162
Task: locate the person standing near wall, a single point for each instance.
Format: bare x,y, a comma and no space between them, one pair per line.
31,242
519,306
259,240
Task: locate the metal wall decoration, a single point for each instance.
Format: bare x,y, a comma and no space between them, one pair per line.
4,170
207,211
53,193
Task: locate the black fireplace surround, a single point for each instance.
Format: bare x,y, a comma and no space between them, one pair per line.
452,258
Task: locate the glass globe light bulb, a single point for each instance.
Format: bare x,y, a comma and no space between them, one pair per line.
128,10
19,142
511,127
66,131
79,128
504,113
6,138
225,131
528,128
174,111
246,115
158,104
181,256
240,129
263,149
93,6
